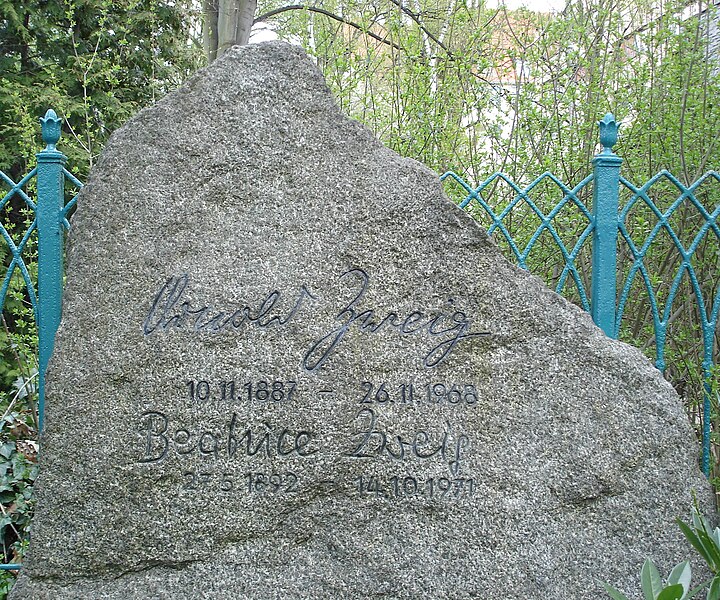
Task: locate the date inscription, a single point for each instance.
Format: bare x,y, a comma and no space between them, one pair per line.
251,483
409,393
442,488
204,391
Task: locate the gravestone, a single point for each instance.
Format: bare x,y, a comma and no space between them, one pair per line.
289,367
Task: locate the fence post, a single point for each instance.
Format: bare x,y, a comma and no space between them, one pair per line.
50,203
606,191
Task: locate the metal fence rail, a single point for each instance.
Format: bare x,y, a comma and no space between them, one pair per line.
49,224
614,259
602,253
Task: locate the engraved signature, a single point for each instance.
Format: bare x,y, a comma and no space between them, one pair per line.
168,312
172,311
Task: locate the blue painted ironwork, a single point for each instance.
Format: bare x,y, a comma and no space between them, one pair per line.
16,251
569,196
50,216
607,223
606,173
708,314
49,222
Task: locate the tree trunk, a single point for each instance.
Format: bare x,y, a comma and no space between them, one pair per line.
227,23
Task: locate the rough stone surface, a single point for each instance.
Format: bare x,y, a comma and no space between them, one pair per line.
438,423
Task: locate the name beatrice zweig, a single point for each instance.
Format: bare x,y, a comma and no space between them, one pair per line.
446,329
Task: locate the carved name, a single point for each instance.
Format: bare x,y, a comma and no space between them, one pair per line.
374,442
172,311
159,440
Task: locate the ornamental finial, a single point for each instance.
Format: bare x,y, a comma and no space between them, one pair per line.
608,132
50,126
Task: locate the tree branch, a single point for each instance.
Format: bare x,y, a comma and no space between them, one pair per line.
416,18
327,13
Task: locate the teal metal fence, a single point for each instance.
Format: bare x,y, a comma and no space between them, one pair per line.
613,238
36,255
49,224
604,253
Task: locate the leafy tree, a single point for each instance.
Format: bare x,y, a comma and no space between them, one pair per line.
96,63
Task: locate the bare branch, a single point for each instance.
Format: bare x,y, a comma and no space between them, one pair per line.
327,13
416,17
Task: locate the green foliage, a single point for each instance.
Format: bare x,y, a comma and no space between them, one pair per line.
677,586
468,88
17,475
706,541
7,580
18,426
18,470
96,63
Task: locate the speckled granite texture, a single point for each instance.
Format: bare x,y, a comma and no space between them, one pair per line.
289,367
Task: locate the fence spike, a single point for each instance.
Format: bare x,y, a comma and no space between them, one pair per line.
50,126
50,203
606,190
608,132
